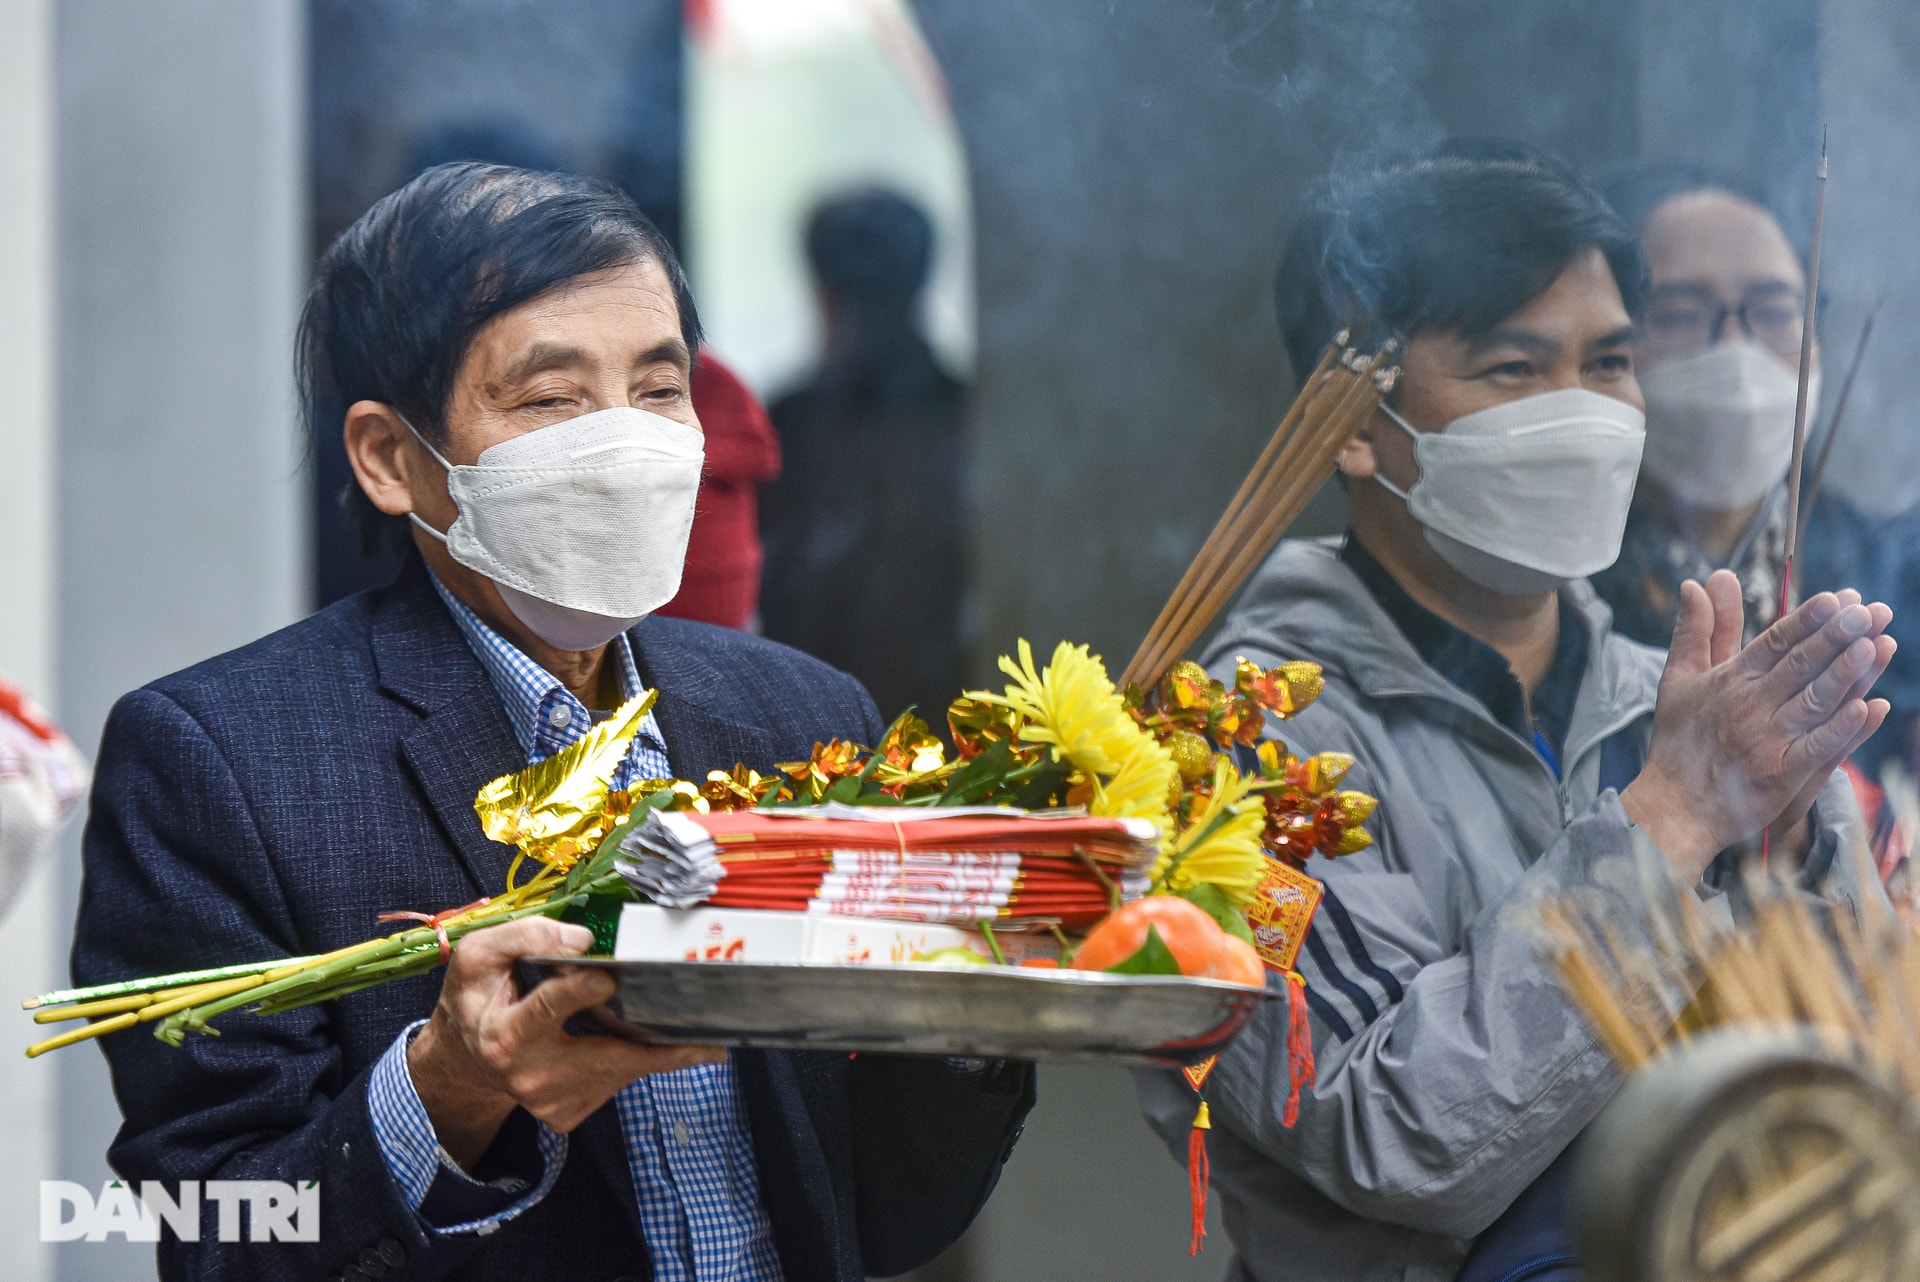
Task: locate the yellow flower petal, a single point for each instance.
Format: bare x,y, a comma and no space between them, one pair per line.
1221,847
1073,707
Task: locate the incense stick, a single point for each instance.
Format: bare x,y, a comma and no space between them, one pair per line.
1795,963
1333,404
1157,652
1807,331
1224,527
1808,321
1833,429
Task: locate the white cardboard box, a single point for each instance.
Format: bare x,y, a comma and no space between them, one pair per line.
651,933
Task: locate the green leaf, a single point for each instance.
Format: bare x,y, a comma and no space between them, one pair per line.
874,760
1153,957
1213,901
979,776
1044,788
845,790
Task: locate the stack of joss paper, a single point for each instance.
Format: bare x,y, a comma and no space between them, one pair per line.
958,866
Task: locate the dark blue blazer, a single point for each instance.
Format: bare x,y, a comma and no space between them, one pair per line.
277,799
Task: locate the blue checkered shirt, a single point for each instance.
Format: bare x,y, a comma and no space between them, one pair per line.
686,1133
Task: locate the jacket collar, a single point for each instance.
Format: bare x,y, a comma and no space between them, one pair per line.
1304,602
463,738
699,703
418,652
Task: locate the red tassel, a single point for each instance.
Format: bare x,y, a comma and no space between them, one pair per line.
1300,1071
1197,1173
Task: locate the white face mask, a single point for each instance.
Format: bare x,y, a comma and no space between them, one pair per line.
1524,496
582,526
1720,424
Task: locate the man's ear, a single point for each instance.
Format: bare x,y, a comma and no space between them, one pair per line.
376,450
1356,461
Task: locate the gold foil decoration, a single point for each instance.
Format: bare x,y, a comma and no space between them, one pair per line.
559,809
1192,754
741,788
911,758
977,723
830,762
1285,690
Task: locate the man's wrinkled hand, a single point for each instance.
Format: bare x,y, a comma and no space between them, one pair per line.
488,1049
1744,738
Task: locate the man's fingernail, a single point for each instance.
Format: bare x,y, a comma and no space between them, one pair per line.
1856,619
575,937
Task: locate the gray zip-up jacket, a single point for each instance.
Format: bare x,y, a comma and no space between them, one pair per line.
1452,1070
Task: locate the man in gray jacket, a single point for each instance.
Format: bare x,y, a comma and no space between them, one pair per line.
1521,750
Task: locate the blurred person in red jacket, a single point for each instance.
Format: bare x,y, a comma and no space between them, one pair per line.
721,583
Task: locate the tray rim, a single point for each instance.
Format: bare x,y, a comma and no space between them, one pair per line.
1065,976
1240,1001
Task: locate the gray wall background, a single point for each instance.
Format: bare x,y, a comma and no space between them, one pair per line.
180,216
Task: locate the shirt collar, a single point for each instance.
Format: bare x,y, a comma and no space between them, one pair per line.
1472,665
544,714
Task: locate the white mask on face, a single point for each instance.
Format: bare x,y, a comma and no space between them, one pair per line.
1720,424
582,526
1524,496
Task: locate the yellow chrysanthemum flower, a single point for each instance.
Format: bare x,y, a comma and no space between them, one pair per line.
1073,706
1140,788
1221,847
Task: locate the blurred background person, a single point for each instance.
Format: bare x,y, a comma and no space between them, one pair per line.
721,581
1718,360
865,529
42,778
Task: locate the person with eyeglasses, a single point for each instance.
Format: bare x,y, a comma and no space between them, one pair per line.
1718,358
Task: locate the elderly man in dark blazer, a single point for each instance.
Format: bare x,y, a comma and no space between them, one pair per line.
509,357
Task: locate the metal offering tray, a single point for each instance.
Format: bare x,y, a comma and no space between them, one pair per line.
997,1012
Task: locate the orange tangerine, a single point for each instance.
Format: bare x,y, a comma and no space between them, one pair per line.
1239,963
1194,938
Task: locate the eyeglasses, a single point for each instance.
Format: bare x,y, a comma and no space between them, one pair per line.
1687,321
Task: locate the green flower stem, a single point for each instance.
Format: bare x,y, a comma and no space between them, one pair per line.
986,928
299,1000
117,1005
1066,948
127,987
402,967
325,982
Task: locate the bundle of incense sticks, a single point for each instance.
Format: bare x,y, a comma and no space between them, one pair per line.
1796,963
910,865
1335,401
